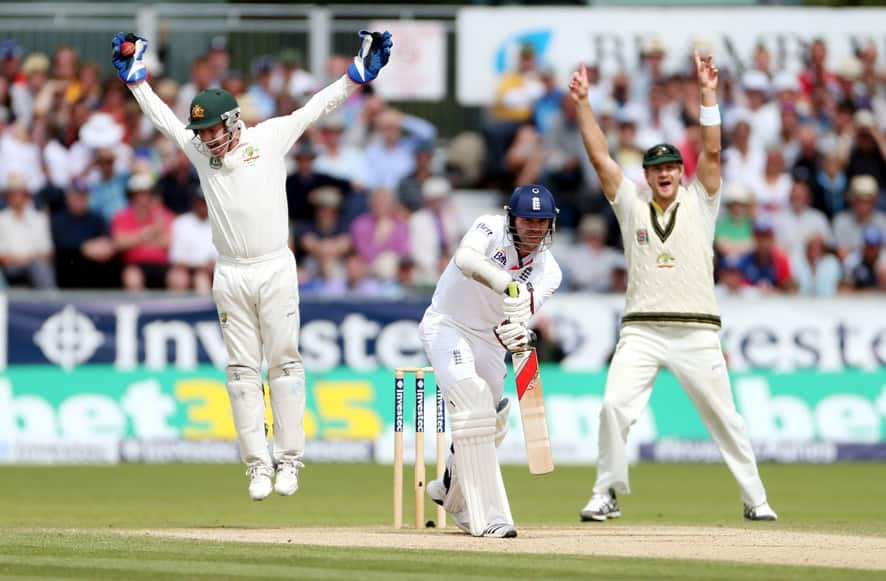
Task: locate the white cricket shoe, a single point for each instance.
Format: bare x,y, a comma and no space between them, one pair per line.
601,507
500,530
437,490
287,477
760,512
259,480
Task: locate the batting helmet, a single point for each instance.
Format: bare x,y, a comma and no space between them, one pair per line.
532,201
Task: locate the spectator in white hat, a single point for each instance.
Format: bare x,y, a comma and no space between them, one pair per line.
798,220
849,224
849,86
336,158
433,232
744,158
325,240
817,272
23,96
772,187
591,264
107,195
787,88
868,155
764,117
192,255
25,240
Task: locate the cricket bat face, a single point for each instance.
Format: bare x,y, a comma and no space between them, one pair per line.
532,412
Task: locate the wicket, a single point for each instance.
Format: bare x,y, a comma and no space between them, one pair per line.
419,470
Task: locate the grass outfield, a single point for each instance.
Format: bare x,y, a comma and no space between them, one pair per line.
843,498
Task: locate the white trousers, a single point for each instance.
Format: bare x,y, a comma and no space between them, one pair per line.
456,354
258,307
694,356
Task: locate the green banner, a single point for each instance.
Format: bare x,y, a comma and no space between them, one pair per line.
43,402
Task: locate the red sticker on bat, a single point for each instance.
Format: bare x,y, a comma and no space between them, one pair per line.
526,375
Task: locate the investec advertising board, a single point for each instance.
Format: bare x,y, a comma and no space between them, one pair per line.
121,379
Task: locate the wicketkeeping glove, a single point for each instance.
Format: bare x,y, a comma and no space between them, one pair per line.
130,69
520,308
372,56
513,336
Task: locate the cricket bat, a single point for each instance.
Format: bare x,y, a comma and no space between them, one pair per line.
532,407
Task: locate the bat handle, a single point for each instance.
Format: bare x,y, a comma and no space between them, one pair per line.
513,289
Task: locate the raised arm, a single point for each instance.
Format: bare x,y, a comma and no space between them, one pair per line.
709,158
288,128
127,54
595,142
374,53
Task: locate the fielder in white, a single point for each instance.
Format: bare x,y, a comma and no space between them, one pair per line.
242,173
466,331
671,317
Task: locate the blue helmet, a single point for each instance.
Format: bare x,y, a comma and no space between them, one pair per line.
532,201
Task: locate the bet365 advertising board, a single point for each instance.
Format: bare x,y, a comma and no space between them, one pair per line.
113,378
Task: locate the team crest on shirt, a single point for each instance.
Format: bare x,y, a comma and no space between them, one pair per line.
642,237
215,162
223,318
665,260
250,155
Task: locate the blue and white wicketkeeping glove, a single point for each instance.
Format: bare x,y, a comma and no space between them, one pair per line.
372,56
130,69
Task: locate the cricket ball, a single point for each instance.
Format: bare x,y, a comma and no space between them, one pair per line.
127,49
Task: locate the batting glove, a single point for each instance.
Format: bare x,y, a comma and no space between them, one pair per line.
130,69
520,308
372,56
512,336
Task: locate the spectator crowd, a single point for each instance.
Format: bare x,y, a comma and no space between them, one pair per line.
94,197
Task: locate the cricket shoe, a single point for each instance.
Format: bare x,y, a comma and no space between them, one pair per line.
601,507
500,530
437,490
259,480
287,477
759,512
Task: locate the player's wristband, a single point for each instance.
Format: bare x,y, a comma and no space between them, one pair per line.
709,115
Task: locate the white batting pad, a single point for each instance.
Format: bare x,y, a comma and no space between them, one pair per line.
472,417
287,383
248,408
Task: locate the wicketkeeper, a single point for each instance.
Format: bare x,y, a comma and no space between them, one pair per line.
466,331
242,172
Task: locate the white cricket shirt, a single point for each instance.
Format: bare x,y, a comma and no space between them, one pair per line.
246,189
670,255
474,306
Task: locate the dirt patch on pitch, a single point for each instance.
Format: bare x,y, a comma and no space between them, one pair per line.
752,545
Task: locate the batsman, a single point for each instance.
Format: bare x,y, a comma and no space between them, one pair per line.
671,317
466,331
242,173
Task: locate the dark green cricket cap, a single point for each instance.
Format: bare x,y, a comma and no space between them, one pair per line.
661,153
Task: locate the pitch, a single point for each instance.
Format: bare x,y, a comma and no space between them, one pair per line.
119,522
